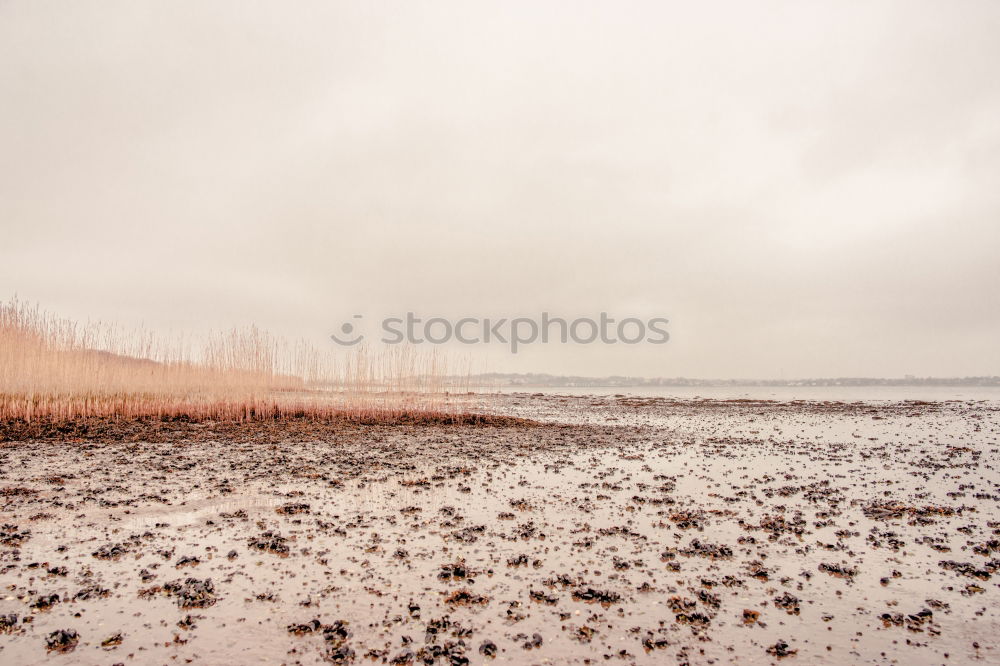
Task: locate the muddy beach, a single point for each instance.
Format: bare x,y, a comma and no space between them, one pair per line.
612,529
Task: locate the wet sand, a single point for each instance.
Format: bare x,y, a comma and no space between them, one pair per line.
618,529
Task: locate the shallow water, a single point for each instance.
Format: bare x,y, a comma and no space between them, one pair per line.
780,393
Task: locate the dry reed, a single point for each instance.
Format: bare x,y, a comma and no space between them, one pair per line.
56,370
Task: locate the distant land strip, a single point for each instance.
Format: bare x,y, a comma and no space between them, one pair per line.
546,380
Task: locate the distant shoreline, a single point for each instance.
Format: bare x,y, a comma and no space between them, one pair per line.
556,381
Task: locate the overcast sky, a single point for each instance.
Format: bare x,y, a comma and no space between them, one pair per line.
802,188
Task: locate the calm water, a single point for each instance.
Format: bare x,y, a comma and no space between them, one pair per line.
839,393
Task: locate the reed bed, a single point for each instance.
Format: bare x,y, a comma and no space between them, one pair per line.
54,370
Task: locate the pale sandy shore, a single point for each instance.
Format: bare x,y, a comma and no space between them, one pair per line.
620,529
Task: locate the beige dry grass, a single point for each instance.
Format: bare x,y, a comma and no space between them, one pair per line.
55,369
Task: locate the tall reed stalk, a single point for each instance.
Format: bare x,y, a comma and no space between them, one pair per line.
56,369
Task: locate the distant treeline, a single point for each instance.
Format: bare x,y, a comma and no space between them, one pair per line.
534,379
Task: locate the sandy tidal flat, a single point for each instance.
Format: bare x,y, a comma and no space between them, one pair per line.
620,529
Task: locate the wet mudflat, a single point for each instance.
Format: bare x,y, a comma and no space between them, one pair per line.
623,530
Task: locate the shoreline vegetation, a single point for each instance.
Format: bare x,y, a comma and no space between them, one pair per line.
54,370
286,427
